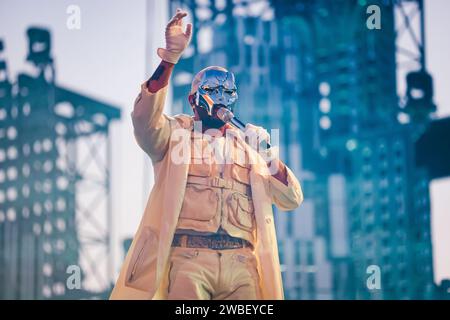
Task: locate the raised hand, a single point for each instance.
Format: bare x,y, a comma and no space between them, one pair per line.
176,38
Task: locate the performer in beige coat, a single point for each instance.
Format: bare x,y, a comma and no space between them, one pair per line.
207,231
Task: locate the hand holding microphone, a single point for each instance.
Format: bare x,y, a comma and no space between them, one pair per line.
257,136
254,133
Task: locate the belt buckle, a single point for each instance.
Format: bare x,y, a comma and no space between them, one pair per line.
215,244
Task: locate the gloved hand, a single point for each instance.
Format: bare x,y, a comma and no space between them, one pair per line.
255,136
176,39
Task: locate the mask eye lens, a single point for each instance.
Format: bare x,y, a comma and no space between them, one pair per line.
211,90
207,89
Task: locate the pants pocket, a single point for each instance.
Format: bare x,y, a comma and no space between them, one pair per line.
248,261
178,258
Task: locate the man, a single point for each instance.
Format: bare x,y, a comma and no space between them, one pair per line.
208,230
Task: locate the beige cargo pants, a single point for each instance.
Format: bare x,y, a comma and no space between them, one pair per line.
207,274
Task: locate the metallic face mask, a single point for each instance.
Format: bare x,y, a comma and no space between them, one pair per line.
217,88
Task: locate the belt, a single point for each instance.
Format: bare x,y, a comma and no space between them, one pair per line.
215,242
220,183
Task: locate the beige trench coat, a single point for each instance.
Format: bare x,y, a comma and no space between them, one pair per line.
144,273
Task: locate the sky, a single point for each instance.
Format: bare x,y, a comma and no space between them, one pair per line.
108,59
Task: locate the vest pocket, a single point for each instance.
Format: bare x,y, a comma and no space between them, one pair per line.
240,170
200,203
241,211
200,164
199,167
241,173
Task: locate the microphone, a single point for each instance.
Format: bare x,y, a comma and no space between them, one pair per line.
227,116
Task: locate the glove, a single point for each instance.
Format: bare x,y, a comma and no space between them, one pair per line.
176,39
255,136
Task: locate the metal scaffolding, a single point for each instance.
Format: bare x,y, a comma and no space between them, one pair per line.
416,98
54,184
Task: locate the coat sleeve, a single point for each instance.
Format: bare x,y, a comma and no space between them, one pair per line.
286,197
151,126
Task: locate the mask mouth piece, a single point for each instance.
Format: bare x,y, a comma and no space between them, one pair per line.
217,107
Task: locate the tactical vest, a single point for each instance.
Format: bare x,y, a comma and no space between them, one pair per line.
218,195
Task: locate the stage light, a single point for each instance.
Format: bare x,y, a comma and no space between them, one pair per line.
47,145
351,144
11,194
47,186
26,149
48,227
47,269
26,109
12,153
11,133
58,288
60,224
60,204
25,212
12,173
324,89
403,118
46,291
325,105
60,129
65,110
37,147
48,205
47,166
11,214
37,209
62,183
325,123
47,247
37,229
60,245
26,170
